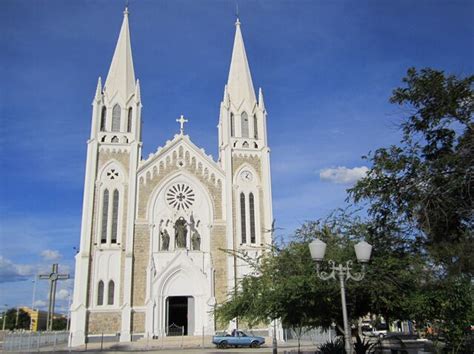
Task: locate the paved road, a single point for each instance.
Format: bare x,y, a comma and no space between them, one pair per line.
287,350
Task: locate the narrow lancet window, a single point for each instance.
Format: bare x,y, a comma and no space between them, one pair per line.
110,293
232,126
100,293
252,218
129,121
255,127
115,205
243,224
105,215
244,125
103,117
116,118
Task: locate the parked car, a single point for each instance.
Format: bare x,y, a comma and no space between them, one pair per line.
239,339
377,331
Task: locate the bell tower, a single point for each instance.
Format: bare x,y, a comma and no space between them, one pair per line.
244,155
102,287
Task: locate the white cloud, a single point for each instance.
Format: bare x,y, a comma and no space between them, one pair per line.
50,255
11,272
40,303
343,175
62,294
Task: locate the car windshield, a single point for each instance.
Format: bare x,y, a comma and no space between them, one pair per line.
242,334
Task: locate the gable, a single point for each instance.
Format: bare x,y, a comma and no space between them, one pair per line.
179,155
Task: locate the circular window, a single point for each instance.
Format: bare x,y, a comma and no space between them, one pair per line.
180,196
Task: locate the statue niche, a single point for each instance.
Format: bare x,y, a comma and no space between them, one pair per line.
180,232
165,240
196,240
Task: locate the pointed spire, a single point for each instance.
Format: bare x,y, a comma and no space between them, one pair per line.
239,83
261,102
98,90
121,76
138,95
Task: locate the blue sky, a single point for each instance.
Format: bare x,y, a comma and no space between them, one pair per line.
327,69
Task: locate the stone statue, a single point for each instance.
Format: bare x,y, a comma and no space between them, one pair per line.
165,240
196,241
180,232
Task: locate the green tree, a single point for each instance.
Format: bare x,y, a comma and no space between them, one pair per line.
419,196
60,324
420,218
14,322
425,184
285,284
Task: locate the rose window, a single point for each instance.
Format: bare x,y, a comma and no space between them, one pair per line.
180,196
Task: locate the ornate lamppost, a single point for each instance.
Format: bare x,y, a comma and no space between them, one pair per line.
343,271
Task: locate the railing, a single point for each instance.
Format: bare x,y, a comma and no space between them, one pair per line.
21,341
175,330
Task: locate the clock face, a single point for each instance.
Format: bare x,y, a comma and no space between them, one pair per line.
246,176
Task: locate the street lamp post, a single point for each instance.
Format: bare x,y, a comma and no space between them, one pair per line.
4,317
343,271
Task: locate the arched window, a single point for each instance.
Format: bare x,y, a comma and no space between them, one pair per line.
116,118
232,126
105,215
129,121
103,117
244,118
252,218
100,293
255,127
243,225
110,293
115,205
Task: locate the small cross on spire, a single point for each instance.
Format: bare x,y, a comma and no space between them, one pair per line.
181,122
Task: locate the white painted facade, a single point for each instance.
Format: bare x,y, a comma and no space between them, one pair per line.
154,230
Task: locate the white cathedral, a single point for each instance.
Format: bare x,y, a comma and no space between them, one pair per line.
155,231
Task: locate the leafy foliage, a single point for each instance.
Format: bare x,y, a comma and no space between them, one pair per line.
333,347
363,346
420,200
11,322
424,186
420,220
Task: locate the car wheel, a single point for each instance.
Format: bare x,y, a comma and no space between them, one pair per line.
223,345
254,344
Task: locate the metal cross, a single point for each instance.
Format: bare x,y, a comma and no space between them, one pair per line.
53,277
181,122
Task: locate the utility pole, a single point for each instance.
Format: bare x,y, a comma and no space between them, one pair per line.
5,316
53,278
274,339
16,320
33,302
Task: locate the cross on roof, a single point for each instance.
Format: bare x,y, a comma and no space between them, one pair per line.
53,277
181,122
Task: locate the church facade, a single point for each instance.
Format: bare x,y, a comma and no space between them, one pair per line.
156,232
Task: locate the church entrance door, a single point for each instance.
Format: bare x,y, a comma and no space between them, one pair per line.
180,315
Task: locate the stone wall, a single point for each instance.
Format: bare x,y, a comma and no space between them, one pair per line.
104,322
254,161
160,171
219,259
140,262
138,322
107,154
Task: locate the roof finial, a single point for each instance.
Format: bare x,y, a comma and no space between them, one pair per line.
181,122
126,8
237,21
